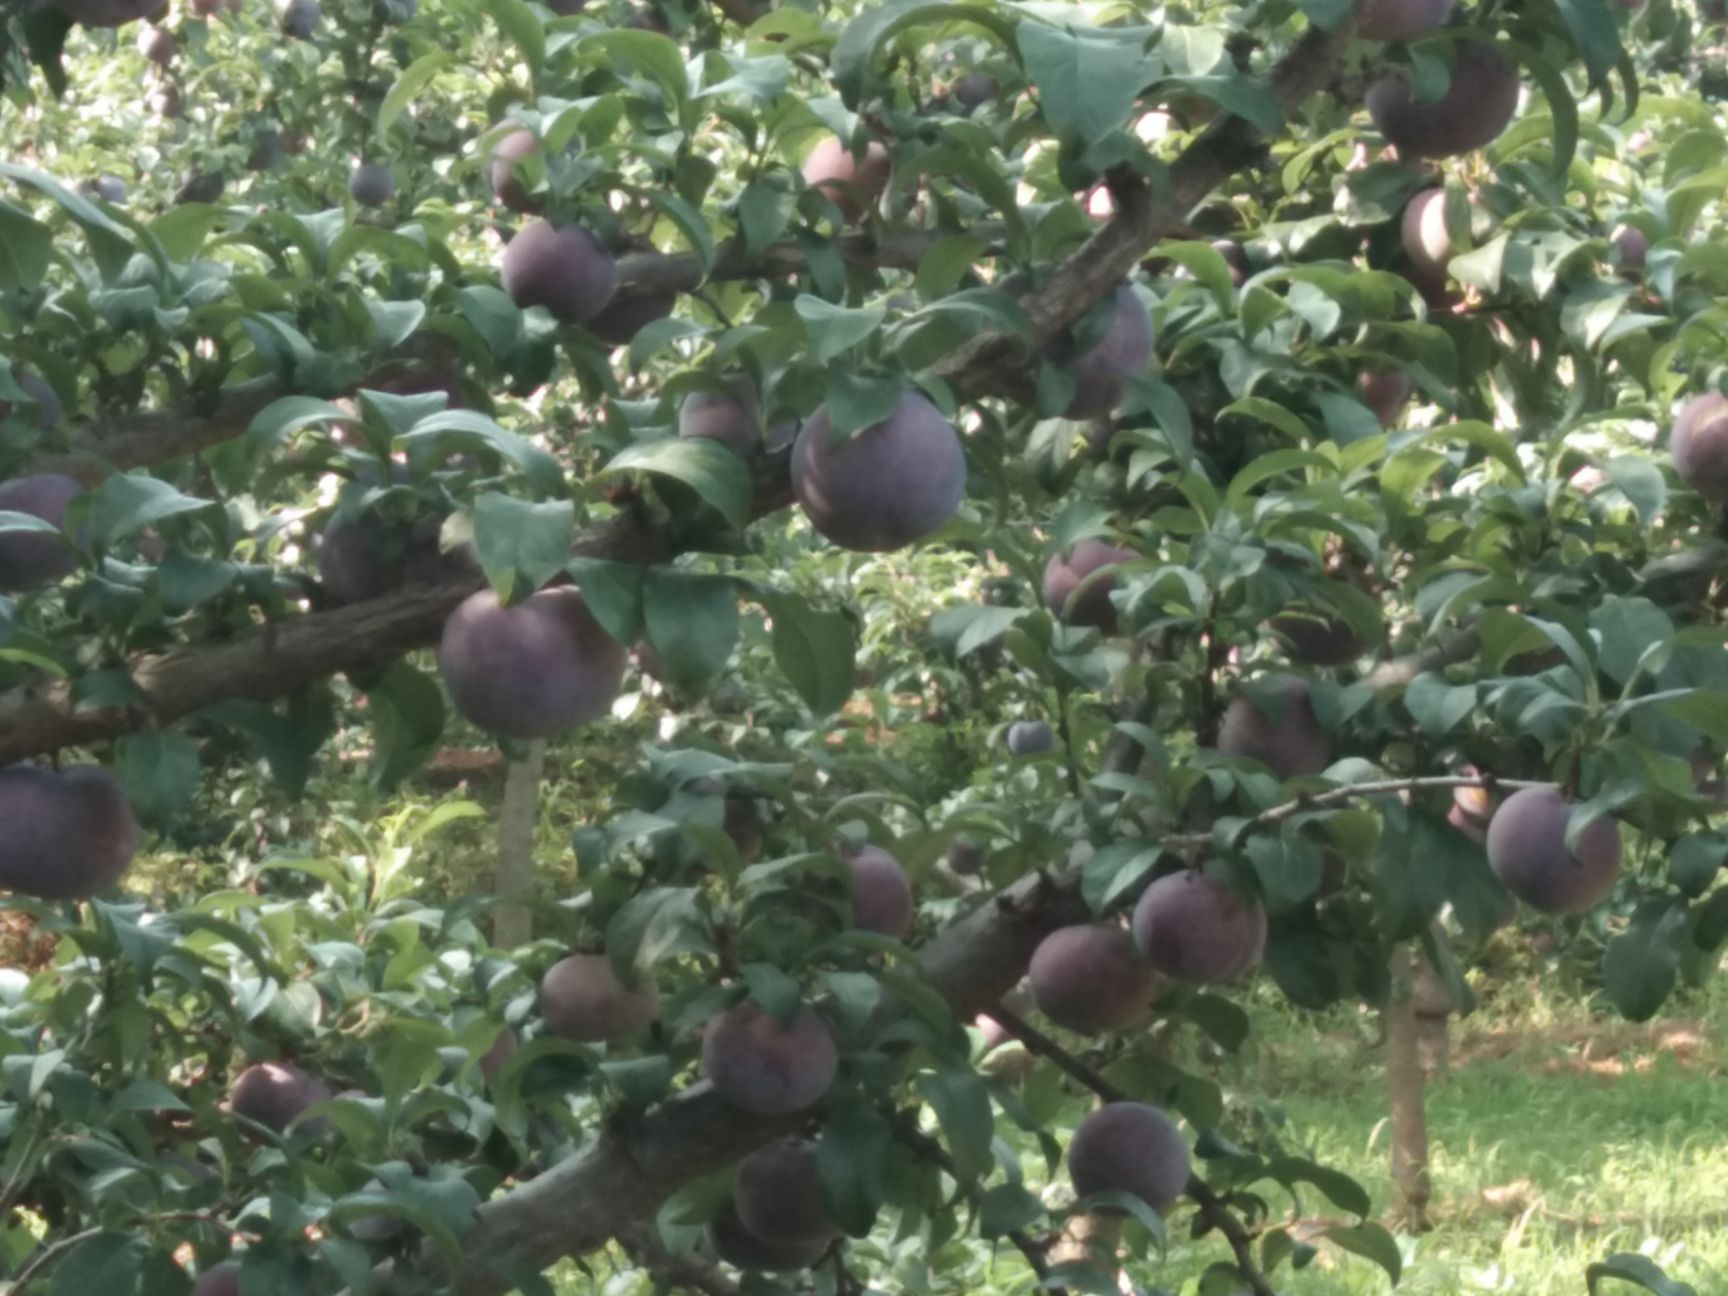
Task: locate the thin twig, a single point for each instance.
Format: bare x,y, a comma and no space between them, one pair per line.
46,1256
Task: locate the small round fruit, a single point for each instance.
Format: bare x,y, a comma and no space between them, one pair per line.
889,485
1631,247
1091,978
1699,445
625,316
762,1067
881,893
1193,928
582,999
1426,237
1527,850
276,1094
851,183
223,1280
566,270
778,1194
1124,351
739,1247
507,185
1064,575
1129,1147
1029,738
372,185
32,559
1289,741
1386,392
69,834
1398,20
300,18
1477,106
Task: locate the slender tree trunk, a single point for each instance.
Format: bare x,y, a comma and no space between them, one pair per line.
513,919
1405,1084
1434,1008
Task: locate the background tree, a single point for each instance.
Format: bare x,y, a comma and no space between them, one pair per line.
1275,396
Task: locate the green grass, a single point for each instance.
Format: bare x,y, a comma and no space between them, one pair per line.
1558,1135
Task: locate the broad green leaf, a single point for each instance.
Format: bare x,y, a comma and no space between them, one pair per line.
711,470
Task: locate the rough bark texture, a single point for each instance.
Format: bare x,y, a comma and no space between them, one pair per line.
513,919
1406,1096
1434,1009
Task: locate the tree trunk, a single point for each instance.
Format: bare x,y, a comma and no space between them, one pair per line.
1405,1083
1434,1009
513,919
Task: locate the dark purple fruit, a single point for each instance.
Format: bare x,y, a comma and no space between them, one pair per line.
778,1194
1289,742
223,1280
565,270
531,670
300,18
582,999
891,484
67,834
372,185
1527,850
276,1094
731,417
1398,20
1477,106
1193,928
625,316
31,559
881,893
1091,978
851,183
1129,1147
1386,392
738,1246
507,185
762,1067
1064,575
1699,445
1029,738
1123,352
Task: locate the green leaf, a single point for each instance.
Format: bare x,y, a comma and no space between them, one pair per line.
816,650
1640,1271
1625,629
1595,32
961,1102
124,505
26,246
413,79
654,925
108,1263
111,243
692,623
1087,79
406,708
1435,705
1371,1242
159,771
439,436
1340,1189
1007,1207
704,465
1641,482
1250,99
653,55
834,329
518,22
613,593
496,318
854,54
852,1160
520,545
1643,962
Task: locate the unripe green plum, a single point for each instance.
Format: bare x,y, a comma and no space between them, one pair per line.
31,559
1193,928
891,484
1477,106
276,1095
1398,20
372,185
778,1194
767,1069
1699,445
851,183
566,270
738,1246
533,669
582,999
507,186
1129,1147
1122,353
1091,978
1527,850
1289,743
1064,575
881,893
68,834
1029,738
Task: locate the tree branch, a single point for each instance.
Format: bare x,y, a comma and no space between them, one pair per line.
642,1244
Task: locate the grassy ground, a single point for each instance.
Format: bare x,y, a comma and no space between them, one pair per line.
1558,1136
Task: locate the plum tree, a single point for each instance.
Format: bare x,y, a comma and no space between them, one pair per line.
1386,391
1100,373
276,1095
300,18
372,185
1527,850
622,318
1398,20
763,1067
778,1194
582,999
731,417
1091,978
852,182
69,833
1029,737
734,1243
220,1280
533,669
1194,928
45,410
1699,445
881,892
501,171
33,559
563,268
1129,1147
888,485
1063,576
1427,239
1287,739
1478,105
